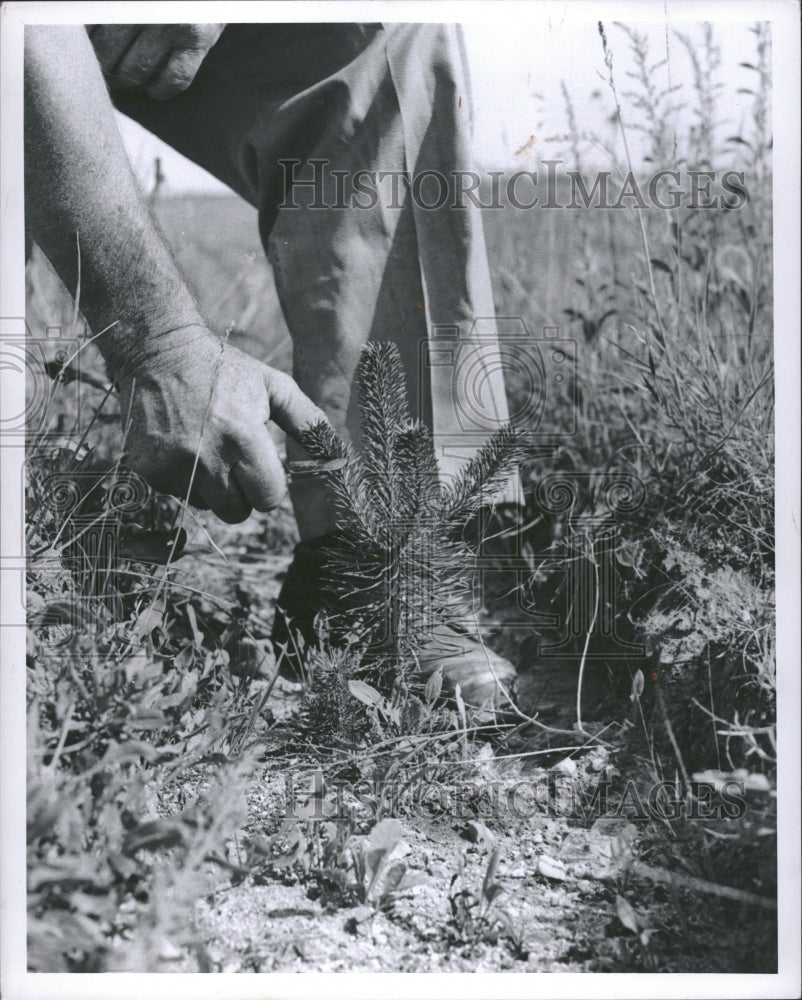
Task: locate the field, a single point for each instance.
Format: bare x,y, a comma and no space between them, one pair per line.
191,809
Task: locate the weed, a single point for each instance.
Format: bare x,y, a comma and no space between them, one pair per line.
342,868
478,916
150,690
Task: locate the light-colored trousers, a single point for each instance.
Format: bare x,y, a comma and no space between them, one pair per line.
330,101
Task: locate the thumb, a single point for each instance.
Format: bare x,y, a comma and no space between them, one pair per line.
290,409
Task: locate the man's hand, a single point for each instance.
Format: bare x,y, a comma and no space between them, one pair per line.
182,393
161,59
198,397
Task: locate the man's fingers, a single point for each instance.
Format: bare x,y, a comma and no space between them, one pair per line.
161,58
176,74
217,491
195,499
226,499
111,43
260,474
144,60
290,409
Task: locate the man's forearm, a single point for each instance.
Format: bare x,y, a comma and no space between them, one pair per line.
83,206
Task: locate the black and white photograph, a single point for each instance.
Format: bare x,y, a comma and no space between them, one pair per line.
399,443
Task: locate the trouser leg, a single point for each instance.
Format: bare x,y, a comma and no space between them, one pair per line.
390,101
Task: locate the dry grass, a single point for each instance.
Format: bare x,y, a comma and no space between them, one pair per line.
147,712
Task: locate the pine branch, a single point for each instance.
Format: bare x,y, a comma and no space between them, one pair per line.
482,478
322,442
384,410
356,515
424,490
398,567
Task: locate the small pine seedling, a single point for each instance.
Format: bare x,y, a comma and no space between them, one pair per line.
400,566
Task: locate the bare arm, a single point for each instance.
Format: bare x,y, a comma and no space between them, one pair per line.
185,395
81,195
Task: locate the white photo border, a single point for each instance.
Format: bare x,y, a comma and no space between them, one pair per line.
16,982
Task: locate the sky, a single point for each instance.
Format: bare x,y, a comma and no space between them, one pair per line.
517,77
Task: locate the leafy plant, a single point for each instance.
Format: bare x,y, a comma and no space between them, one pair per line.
379,883
478,917
349,870
635,922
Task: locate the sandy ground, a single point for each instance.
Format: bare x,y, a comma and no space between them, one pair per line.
561,880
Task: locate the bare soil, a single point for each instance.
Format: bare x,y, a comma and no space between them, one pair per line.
563,879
